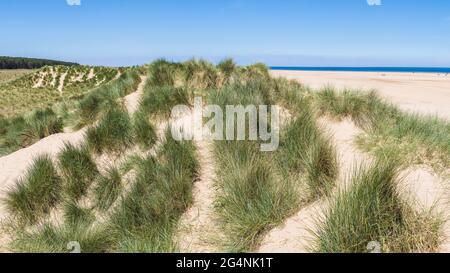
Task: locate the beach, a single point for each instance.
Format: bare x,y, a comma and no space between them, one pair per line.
425,93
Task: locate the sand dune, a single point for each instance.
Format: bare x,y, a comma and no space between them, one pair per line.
426,93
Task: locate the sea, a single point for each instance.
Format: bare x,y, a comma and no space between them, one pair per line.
444,70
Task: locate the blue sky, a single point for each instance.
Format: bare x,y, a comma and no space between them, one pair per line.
278,32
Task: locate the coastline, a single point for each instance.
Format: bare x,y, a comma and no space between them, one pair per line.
424,93
380,69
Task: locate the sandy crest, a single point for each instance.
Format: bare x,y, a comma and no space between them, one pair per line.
427,93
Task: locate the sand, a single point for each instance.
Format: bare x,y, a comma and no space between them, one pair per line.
426,93
199,224
132,100
427,192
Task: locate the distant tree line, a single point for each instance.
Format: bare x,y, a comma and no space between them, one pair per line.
28,63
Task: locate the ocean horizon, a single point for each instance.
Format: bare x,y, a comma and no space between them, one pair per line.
445,70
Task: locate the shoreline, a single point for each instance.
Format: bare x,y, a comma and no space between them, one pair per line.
374,69
424,93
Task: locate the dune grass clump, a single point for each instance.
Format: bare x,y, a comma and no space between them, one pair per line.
41,124
253,196
304,149
290,94
417,138
108,189
75,215
159,101
21,132
48,238
89,108
11,133
253,199
4,123
37,193
200,74
368,110
78,169
372,211
260,190
255,71
145,220
163,73
114,133
144,131
228,67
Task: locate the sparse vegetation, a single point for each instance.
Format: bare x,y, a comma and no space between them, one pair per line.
42,89
13,74
22,131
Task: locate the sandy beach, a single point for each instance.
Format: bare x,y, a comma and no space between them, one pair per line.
426,93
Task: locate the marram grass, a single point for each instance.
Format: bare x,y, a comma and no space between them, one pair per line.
37,193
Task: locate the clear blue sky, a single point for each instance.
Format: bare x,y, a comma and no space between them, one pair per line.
278,32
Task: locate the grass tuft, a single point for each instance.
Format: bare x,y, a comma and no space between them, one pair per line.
108,189
145,221
114,133
78,170
37,193
144,131
57,239
306,150
372,211
41,124
417,138
74,215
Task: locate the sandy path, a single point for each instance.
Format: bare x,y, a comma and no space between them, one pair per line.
197,226
132,100
296,234
426,93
